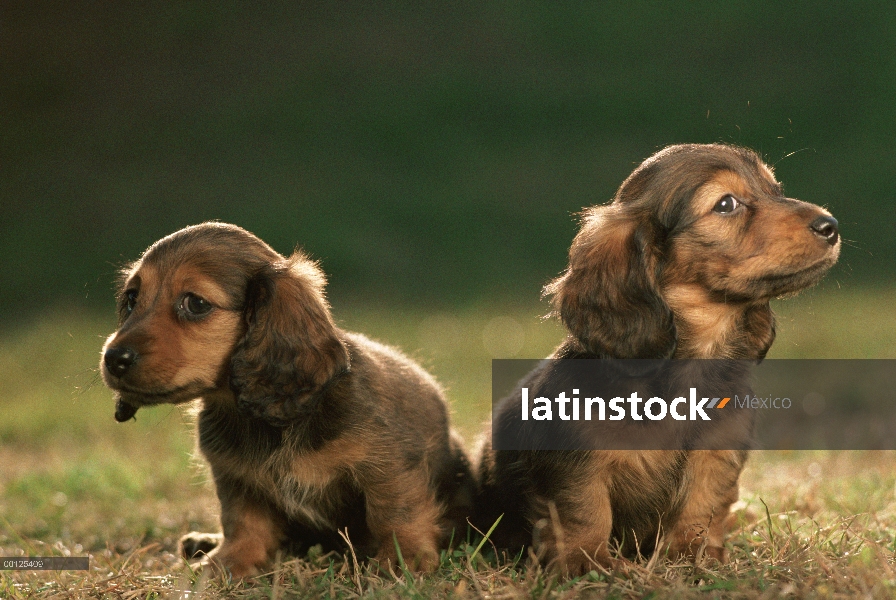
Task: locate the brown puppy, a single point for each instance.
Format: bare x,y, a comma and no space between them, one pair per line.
682,264
309,430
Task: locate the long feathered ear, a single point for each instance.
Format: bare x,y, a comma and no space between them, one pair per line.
608,297
291,348
758,332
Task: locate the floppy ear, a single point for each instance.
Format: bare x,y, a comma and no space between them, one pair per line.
291,348
758,331
608,296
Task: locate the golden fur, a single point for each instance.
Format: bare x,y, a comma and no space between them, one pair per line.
309,430
664,271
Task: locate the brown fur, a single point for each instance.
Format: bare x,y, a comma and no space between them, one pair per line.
309,430
659,273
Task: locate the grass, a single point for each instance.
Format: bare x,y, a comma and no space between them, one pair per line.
72,481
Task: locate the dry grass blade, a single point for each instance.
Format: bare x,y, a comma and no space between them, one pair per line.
356,568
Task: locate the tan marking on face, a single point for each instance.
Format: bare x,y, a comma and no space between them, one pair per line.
189,279
174,352
780,242
736,254
724,183
205,344
144,279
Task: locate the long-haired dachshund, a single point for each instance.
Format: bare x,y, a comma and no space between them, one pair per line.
309,430
682,264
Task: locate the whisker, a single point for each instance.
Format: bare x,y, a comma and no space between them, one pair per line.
791,154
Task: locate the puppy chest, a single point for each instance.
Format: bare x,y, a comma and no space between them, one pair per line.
317,497
642,492
304,502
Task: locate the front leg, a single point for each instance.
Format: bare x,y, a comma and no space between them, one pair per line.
713,489
571,530
253,531
404,510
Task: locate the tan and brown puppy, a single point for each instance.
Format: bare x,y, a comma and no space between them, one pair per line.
682,264
309,430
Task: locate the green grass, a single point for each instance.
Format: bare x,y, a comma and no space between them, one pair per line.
72,481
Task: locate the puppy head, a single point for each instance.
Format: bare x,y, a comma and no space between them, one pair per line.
705,224
200,312
739,238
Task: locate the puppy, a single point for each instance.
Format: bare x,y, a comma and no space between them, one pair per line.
682,264
309,430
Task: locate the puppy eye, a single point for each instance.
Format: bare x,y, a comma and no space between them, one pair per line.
726,205
130,301
194,306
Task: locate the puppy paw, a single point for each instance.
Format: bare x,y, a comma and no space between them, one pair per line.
717,554
214,565
196,544
420,561
577,564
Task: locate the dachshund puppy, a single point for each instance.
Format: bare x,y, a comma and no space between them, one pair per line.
682,264
309,430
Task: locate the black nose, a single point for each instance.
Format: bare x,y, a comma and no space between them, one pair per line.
119,360
827,228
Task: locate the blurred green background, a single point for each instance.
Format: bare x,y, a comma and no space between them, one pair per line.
430,154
